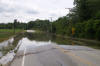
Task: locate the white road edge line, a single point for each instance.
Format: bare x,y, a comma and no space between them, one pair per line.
23,60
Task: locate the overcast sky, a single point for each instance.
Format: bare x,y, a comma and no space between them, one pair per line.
26,10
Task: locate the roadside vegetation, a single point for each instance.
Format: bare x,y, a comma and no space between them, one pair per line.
7,33
11,46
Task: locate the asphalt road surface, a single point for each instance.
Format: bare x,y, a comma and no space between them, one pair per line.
36,53
57,55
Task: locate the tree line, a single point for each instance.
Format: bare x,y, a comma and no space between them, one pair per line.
44,25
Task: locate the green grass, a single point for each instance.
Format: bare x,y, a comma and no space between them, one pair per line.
9,30
6,33
79,41
87,42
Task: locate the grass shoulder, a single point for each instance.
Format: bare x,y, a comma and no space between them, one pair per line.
83,42
7,33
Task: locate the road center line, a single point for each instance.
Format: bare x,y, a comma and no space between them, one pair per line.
77,57
23,60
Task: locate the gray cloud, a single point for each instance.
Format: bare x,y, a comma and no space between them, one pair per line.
53,15
10,10
32,12
24,10
6,8
2,9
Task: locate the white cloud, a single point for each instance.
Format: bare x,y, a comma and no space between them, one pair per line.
26,10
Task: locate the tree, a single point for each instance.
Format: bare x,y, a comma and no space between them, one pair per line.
82,9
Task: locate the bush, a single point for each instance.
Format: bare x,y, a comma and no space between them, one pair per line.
89,30
97,15
98,34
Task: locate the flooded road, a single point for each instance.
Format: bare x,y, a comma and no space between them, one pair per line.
29,39
44,49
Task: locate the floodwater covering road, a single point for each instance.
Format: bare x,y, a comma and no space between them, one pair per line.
45,50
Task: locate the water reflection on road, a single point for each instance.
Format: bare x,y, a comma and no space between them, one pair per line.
32,39
26,43
45,37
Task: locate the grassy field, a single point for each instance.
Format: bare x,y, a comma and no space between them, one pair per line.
6,33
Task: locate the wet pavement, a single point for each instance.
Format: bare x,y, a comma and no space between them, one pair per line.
46,50
55,55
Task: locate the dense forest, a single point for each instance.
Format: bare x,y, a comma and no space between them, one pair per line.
84,18
83,21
